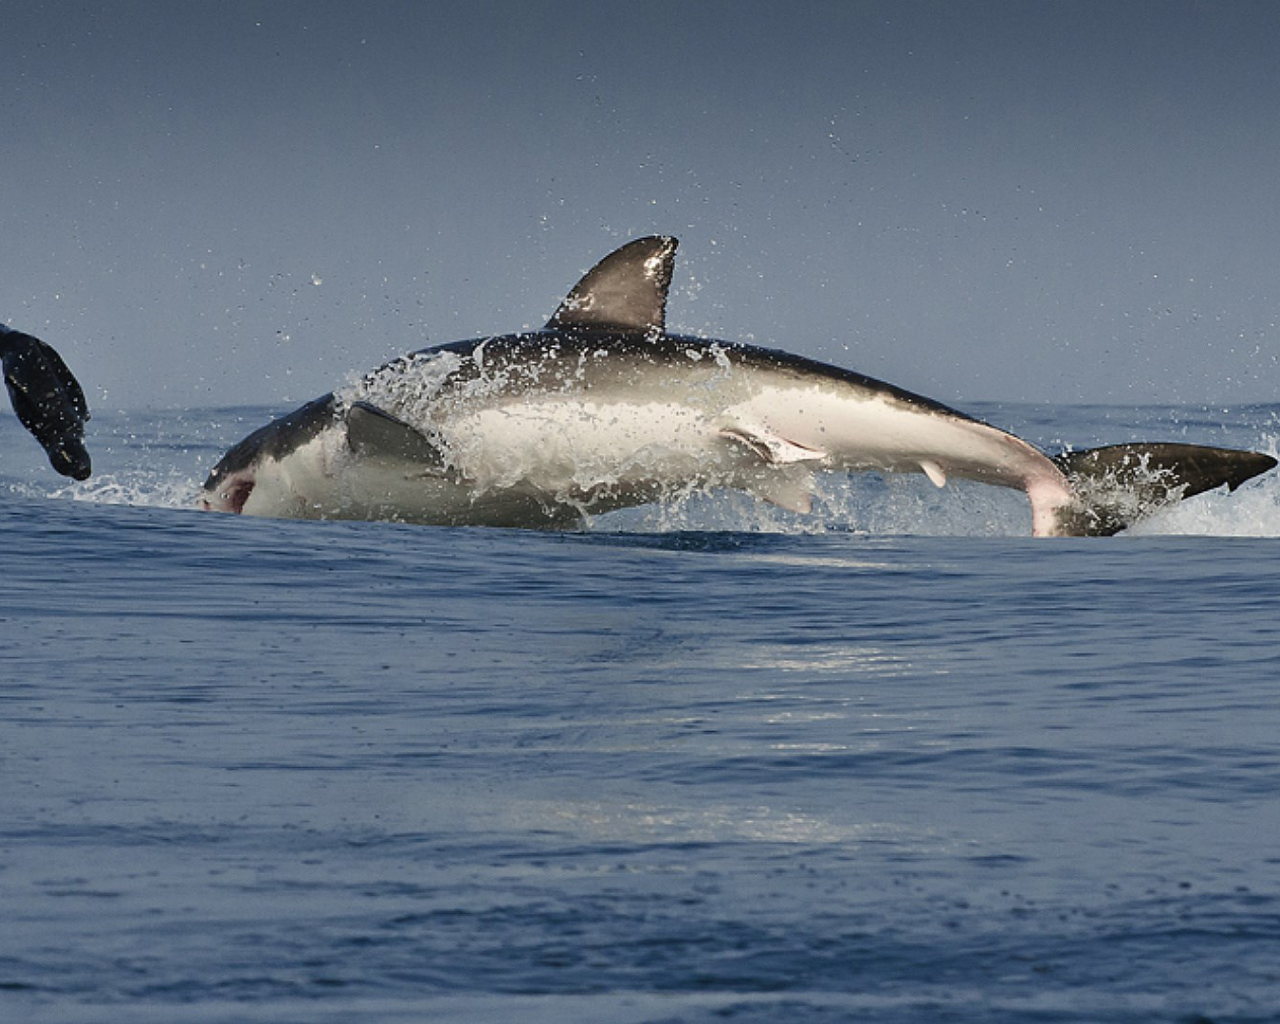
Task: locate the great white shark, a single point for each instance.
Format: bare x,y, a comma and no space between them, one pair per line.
603,409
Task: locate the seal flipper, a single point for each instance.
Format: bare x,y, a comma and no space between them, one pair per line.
47,400
627,290
1121,483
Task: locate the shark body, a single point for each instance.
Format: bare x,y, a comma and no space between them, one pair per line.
604,409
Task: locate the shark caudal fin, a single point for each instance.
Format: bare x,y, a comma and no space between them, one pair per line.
1117,485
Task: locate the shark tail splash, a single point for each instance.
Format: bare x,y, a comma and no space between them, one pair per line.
1115,486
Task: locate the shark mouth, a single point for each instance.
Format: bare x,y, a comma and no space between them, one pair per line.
229,495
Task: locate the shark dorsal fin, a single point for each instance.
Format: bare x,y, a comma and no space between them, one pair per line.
627,290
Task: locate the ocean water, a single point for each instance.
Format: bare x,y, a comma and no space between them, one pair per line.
894,762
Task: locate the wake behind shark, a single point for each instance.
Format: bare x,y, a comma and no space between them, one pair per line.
604,409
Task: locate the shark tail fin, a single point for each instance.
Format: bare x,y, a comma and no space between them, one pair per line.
1117,485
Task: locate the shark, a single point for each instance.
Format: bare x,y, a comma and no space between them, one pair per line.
603,408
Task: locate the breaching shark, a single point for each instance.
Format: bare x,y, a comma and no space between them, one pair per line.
603,409
47,400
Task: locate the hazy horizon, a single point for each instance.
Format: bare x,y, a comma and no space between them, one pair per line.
246,203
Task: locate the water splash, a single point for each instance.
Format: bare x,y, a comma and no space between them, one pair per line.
159,459
139,488
1252,511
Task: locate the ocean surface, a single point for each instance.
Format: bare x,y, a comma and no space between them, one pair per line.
893,762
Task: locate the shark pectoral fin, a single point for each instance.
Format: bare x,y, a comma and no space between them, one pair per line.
373,433
782,477
770,447
792,489
934,472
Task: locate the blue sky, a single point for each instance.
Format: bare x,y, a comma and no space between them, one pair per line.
208,204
